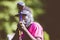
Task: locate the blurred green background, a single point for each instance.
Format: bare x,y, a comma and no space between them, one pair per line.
8,22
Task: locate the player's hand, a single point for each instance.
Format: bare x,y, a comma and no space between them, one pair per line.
21,26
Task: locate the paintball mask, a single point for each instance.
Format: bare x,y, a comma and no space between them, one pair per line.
28,18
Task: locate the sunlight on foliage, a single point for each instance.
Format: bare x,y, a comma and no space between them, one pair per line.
8,10
46,36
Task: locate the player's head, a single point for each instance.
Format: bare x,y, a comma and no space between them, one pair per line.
20,5
27,17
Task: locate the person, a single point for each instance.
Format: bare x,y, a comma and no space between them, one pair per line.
21,6
31,30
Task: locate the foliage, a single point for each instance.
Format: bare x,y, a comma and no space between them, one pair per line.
8,8
46,36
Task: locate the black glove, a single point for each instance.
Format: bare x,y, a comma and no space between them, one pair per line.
19,27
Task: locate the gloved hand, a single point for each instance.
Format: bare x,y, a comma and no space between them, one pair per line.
21,26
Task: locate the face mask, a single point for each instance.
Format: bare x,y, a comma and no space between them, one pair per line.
21,19
27,21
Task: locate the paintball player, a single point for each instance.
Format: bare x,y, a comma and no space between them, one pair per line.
31,30
21,6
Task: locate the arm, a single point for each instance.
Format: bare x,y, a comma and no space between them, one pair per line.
29,34
26,32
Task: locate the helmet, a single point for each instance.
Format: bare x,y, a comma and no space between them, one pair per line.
28,18
21,3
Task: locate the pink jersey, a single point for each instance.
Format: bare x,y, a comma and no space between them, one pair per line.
36,30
